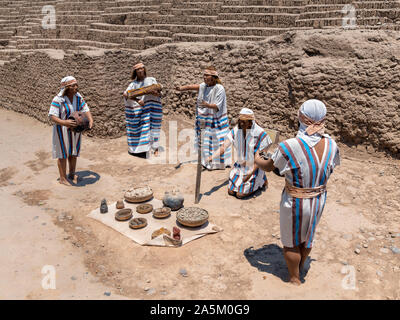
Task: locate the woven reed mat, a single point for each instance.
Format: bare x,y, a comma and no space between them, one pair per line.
143,236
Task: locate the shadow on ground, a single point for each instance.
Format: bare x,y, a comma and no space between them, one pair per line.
270,259
86,177
216,188
255,194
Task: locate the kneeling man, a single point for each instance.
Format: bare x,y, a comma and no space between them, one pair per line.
248,138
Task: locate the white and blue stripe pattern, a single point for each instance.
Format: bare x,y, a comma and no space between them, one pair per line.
65,142
216,125
246,147
143,124
303,169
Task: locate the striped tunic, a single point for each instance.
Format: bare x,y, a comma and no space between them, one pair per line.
143,124
65,142
246,147
216,125
302,168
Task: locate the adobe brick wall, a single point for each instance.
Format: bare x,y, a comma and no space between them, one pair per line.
139,24
356,73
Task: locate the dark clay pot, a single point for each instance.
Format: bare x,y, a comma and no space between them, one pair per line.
173,200
103,206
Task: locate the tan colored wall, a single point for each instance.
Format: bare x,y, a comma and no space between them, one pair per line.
357,75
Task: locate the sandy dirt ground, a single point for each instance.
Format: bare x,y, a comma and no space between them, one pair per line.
44,223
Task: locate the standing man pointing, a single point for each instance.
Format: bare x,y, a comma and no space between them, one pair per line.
211,109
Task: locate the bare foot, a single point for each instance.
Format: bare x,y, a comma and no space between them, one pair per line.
156,153
231,193
295,281
73,177
64,182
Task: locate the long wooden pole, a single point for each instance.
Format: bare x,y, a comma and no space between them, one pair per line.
199,165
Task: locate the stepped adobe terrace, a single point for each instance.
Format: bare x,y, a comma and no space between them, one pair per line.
139,24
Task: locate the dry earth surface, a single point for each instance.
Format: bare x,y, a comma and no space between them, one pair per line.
45,223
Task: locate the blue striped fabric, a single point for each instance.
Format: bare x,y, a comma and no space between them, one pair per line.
246,145
292,163
311,160
65,142
143,125
303,168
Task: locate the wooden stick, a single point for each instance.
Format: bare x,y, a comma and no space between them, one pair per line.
199,165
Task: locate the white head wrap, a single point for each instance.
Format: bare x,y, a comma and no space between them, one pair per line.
67,81
315,112
246,114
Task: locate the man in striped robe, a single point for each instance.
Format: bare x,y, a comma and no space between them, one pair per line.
306,161
211,110
66,143
247,138
143,115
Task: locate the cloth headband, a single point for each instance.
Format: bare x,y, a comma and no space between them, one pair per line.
246,117
312,125
65,82
68,83
211,72
138,66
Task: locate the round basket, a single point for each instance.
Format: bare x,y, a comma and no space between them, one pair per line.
123,214
192,216
138,194
144,208
192,223
137,223
163,212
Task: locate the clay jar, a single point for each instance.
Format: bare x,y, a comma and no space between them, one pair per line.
103,206
173,200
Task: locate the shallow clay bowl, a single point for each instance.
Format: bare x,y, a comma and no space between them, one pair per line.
137,223
123,214
163,212
144,208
